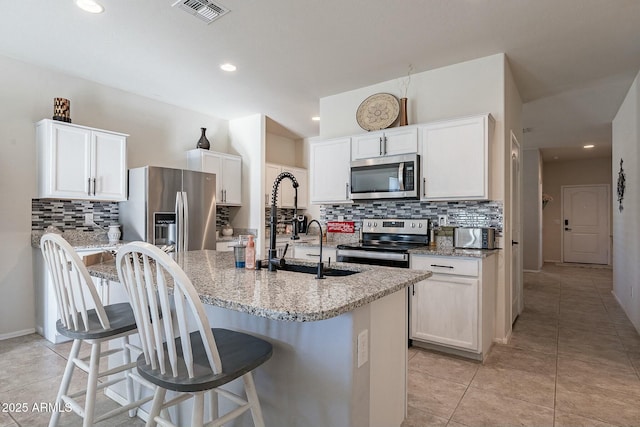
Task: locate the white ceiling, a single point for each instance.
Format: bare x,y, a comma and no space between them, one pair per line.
573,60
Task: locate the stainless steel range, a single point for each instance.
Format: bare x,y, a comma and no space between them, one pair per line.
386,242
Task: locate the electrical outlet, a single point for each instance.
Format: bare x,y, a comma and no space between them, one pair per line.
363,347
88,219
443,220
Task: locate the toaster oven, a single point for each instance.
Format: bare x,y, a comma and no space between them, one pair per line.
474,238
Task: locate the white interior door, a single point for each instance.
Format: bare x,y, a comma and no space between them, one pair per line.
585,211
516,225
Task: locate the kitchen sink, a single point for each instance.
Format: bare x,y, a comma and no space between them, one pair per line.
312,269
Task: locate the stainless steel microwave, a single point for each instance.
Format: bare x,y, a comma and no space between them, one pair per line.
388,177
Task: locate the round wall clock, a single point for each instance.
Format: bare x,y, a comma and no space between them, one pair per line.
378,111
621,186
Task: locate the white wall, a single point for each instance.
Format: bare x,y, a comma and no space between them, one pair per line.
247,137
472,87
532,206
160,135
626,224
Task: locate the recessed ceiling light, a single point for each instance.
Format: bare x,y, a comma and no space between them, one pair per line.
228,67
588,146
555,157
315,118
90,6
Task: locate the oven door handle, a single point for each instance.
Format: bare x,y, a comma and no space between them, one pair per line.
372,255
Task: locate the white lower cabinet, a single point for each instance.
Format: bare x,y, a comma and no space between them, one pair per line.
454,309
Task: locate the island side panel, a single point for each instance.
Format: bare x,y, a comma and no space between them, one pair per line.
309,381
388,346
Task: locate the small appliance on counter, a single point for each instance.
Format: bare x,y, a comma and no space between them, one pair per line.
475,238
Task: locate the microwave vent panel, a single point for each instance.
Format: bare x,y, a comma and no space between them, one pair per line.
205,10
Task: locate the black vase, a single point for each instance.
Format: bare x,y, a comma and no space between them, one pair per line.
203,142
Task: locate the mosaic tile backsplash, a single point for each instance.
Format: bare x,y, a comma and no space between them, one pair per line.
69,214
461,213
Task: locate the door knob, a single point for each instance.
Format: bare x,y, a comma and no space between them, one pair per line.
513,242
567,229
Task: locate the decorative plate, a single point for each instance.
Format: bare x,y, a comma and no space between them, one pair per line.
378,111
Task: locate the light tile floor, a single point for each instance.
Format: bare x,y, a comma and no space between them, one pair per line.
573,360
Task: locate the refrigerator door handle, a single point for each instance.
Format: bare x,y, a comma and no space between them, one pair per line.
185,237
179,221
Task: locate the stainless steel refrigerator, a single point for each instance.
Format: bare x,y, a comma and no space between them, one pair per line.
170,207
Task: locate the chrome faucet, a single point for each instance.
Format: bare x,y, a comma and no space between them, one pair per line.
274,261
319,274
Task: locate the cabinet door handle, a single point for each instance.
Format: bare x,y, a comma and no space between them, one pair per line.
441,266
88,186
413,289
380,145
384,145
424,187
94,186
346,191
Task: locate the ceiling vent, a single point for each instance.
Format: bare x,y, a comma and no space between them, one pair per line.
202,9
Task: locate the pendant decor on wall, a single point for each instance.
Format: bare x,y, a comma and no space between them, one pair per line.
621,186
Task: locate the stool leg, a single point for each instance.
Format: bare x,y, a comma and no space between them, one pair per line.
158,400
66,380
197,418
213,403
92,385
252,398
126,356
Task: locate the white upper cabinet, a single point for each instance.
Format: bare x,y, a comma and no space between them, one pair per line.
455,158
286,194
330,163
78,162
228,170
389,142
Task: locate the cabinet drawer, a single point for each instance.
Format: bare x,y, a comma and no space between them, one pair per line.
446,265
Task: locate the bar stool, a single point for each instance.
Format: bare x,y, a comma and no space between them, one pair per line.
75,294
174,358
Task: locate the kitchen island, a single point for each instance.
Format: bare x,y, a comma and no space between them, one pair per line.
340,346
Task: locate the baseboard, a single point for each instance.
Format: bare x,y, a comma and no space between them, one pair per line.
504,340
531,271
625,311
17,333
552,260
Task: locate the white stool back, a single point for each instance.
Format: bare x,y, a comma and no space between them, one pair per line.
153,280
73,286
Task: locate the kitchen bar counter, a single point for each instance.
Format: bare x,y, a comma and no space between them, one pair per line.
340,343
282,295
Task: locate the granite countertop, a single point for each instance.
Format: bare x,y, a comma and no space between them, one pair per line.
81,239
282,295
453,252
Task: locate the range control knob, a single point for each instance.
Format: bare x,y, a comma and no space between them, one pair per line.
413,225
375,224
369,224
420,225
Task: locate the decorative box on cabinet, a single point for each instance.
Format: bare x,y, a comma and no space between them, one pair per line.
79,162
454,310
228,170
287,193
389,142
329,171
455,158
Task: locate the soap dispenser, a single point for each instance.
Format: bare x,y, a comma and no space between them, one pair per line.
250,254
